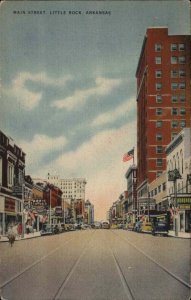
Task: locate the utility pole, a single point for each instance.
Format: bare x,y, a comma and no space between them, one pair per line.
50,207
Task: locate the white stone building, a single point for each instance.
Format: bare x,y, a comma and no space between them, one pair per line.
179,191
72,188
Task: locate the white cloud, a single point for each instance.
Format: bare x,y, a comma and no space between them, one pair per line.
103,86
28,99
40,146
109,117
99,160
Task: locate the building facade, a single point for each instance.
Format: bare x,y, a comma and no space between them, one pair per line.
12,170
179,187
72,188
163,100
131,176
89,213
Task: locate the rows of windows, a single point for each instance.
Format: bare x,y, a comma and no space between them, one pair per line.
174,124
174,111
174,86
174,73
159,189
173,47
174,98
174,60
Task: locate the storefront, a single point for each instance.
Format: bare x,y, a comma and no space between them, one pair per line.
184,213
10,208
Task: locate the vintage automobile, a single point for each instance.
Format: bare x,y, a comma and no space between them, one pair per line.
105,225
47,229
159,227
146,227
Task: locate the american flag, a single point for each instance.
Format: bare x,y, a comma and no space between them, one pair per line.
129,155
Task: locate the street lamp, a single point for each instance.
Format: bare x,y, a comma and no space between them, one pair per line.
173,175
50,207
188,181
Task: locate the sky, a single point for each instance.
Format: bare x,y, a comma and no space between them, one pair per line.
68,85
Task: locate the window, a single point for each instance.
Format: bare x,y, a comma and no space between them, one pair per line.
158,47
182,86
173,47
158,60
158,124
174,111
174,60
174,86
158,137
182,123
10,174
158,73
158,111
174,73
159,149
182,59
182,111
182,98
159,98
174,123
158,86
20,179
159,162
182,73
181,47
164,186
174,98
159,188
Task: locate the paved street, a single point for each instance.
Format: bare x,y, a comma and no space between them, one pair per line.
96,264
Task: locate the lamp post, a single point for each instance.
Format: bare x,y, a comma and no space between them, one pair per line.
173,175
50,208
148,203
23,212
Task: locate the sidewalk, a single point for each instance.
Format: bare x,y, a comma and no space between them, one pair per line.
18,238
183,235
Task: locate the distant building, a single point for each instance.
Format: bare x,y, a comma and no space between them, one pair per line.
163,100
131,176
72,188
12,171
89,213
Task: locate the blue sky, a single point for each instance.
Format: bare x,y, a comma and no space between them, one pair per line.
68,86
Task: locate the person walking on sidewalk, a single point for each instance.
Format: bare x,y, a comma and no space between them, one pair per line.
11,235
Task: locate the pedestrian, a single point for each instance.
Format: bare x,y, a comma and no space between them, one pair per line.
11,236
19,229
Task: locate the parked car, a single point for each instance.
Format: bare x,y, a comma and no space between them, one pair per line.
120,226
55,229
146,227
85,226
78,226
160,227
130,226
97,225
47,229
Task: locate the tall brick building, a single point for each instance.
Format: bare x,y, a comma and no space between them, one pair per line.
163,99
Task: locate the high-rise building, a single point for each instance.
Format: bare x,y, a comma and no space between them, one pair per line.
163,100
72,188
